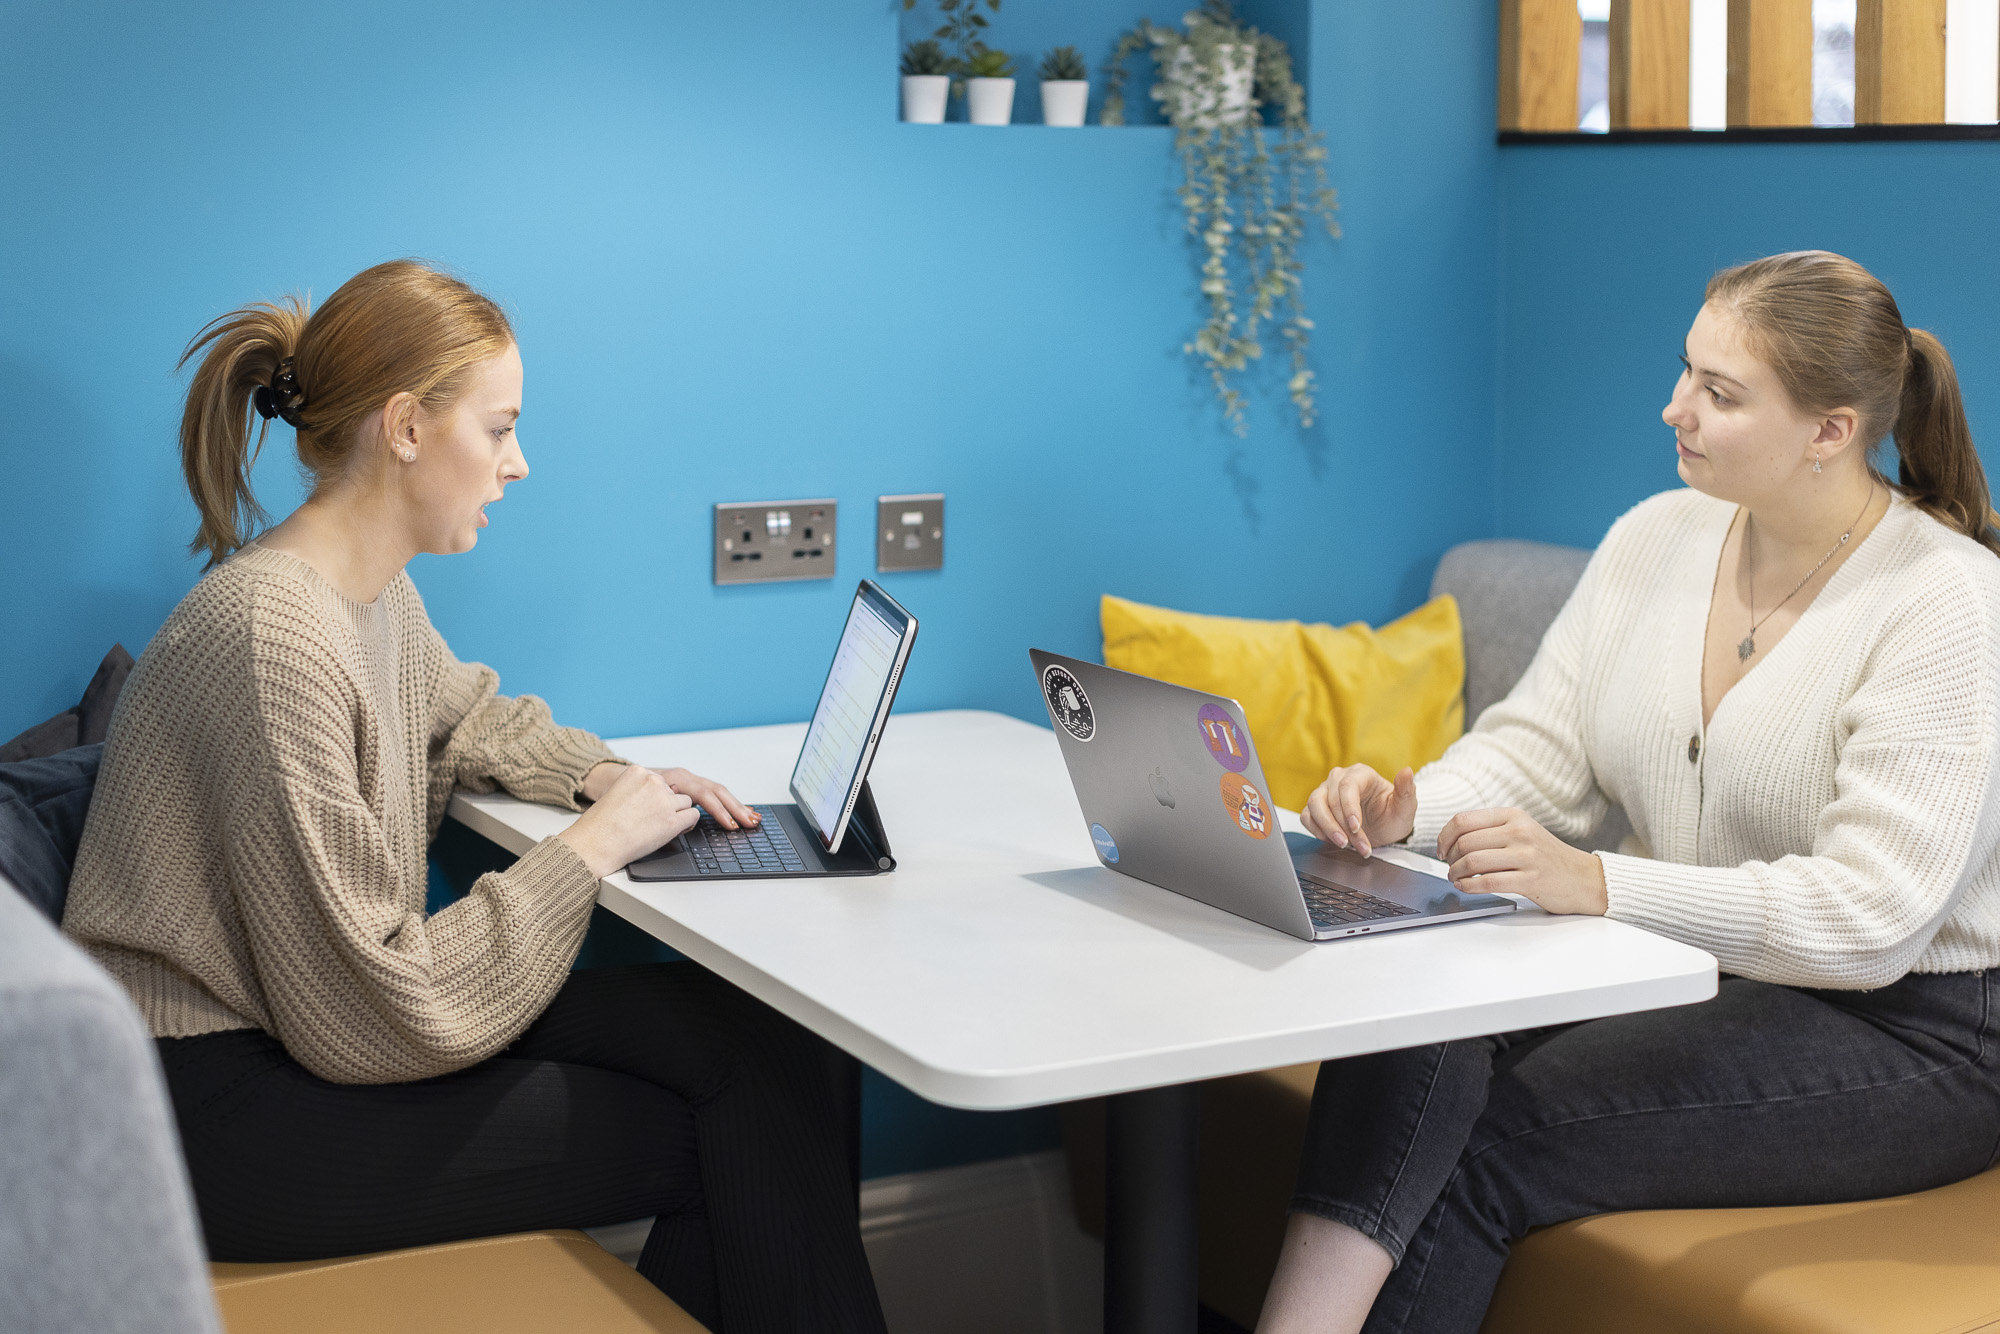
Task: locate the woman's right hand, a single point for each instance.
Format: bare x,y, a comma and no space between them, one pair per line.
638,813
1359,808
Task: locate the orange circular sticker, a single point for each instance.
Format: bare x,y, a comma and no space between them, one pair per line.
1247,806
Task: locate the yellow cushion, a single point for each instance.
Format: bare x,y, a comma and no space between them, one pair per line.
530,1281
1315,696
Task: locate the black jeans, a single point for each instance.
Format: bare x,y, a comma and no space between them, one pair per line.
1766,1095
656,1089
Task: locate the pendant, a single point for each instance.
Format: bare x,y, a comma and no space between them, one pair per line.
1747,647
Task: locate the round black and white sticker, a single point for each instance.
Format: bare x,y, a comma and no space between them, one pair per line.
1067,702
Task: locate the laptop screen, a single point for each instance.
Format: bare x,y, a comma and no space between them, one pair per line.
859,687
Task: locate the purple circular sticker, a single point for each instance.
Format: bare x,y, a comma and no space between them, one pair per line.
1224,737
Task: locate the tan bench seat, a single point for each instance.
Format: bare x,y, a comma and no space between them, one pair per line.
531,1281
1917,1264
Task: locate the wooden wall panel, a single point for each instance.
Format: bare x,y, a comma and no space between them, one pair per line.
1899,62
1649,64
1770,62
1539,41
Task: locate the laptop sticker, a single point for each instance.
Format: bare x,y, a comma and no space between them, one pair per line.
1223,736
1068,705
1247,806
1106,848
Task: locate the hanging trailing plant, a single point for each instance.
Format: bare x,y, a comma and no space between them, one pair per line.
1250,192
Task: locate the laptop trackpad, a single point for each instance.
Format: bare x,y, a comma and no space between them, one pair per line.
1372,875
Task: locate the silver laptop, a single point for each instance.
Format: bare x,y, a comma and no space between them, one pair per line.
1171,789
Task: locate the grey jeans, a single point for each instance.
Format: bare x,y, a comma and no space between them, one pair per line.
1766,1095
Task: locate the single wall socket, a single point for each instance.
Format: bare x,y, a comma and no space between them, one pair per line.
762,541
909,533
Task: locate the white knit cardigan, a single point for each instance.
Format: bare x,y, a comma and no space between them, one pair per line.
1834,825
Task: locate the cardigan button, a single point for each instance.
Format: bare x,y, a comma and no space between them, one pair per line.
1694,748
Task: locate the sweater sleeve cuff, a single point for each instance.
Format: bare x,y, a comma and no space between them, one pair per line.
551,872
1441,794
1716,909
566,757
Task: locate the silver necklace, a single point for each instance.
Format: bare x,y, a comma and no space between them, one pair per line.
1749,642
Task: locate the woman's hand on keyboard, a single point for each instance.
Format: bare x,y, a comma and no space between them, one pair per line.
714,798
637,813
1359,808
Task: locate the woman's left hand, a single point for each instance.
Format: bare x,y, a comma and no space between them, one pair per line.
1505,851
706,793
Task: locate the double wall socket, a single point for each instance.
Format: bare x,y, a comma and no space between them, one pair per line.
909,533
765,541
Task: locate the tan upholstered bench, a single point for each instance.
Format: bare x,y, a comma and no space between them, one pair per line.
1917,1264
532,1281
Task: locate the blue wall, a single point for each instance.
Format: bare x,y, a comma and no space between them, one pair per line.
1605,252
735,275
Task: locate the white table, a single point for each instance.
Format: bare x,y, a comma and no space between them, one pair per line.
1000,966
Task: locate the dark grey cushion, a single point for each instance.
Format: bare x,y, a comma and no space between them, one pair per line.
86,724
42,806
1508,594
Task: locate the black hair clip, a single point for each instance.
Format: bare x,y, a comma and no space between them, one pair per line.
280,398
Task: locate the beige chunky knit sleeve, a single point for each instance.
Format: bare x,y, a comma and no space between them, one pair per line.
481,740
357,982
255,851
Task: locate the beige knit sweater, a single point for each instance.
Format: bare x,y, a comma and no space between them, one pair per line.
1836,824
255,851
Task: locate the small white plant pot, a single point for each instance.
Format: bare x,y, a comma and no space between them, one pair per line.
990,101
1063,101
1202,104
924,96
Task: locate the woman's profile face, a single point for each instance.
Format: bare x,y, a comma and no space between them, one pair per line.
1738,434
466,457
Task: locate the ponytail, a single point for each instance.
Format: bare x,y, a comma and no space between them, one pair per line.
402,327
1938,468
1836,338
246,350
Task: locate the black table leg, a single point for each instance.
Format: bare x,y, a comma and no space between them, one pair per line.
1149,1224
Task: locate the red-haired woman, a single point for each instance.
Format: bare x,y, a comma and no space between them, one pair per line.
353,1074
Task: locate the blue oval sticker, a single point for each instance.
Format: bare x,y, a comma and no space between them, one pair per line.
1107,848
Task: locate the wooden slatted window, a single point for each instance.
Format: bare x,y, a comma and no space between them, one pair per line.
1751,68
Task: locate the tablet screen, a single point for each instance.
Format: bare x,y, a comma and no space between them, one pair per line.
831,763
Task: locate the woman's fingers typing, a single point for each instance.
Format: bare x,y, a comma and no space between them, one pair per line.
638,813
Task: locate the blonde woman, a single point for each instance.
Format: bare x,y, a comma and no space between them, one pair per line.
1789,677
352,1074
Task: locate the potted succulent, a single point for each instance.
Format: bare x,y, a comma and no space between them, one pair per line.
926,82
1250,194
989,86
1065,87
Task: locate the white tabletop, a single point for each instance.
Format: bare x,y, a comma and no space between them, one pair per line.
1000,966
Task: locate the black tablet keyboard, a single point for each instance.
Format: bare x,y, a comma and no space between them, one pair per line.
1335,905
765,850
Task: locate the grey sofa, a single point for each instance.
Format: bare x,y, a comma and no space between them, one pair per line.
97,1226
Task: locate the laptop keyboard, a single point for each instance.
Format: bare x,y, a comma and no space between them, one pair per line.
1336,905
765,850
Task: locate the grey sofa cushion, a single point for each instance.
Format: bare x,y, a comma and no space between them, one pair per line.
42,807
1508,594
98,1230
84,725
